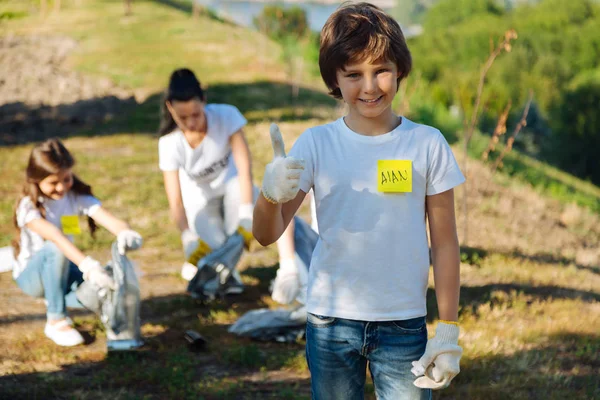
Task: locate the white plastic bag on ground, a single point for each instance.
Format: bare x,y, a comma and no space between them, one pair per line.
266,325
7,259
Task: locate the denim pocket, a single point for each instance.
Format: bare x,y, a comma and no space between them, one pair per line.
320,321
411,326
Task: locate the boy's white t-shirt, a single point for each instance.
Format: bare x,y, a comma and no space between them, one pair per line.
372,259
209,165
71,204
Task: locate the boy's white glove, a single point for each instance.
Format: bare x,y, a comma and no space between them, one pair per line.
96,274
441,361
190,242
290,282
282,175
128,240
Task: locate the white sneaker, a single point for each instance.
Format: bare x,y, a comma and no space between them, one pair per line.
62,333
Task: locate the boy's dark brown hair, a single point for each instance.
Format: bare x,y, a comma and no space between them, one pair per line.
358,32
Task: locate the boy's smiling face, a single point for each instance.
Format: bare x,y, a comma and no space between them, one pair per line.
368,87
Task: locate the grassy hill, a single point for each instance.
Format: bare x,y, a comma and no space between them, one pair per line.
531,267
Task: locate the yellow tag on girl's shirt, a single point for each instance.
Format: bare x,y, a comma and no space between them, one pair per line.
70,225
394,176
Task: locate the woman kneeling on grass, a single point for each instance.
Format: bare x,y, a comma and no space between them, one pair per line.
206,166
48,264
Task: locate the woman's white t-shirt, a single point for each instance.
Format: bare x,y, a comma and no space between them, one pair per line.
210,164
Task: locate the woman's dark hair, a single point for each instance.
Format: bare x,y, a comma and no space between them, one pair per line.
47,158
183,86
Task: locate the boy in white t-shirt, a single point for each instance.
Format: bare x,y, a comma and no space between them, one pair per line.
206,167
376,178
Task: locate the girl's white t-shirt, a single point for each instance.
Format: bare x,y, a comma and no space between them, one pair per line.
71,204
210,164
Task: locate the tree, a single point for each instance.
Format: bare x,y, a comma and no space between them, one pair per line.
450,12
575,137
278,22
289,27
128,9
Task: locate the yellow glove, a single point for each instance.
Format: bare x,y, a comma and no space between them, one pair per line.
248,238
200,252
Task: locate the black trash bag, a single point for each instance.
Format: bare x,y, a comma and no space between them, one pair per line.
305,240
217,275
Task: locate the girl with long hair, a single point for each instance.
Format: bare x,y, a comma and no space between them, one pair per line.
46,217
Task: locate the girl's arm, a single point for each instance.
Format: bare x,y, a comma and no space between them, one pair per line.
173,190
242,160
270,220
113,224
92,269
445,253
126,238
51,233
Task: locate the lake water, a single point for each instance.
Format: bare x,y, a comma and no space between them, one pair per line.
242,12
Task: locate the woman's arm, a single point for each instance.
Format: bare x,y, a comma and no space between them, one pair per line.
242,160
173,190
270,220
445,253
50,232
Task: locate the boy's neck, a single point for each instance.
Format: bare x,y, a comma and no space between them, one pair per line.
382,124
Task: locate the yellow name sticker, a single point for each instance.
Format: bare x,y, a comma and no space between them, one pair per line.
70,225
394,176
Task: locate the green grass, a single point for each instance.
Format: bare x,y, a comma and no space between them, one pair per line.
546,179
529,322
140,51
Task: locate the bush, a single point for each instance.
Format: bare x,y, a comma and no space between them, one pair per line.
575,140
278,22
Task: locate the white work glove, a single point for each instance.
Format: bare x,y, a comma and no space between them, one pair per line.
291,279
245,214
195,249
128,240
188,271
96,274
282,175
190,242
441,360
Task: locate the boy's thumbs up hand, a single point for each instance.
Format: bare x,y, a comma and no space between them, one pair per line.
282,175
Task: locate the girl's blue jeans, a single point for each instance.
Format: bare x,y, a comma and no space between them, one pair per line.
51,275
338,350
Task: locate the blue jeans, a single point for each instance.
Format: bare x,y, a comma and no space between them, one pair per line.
51,275
337,351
